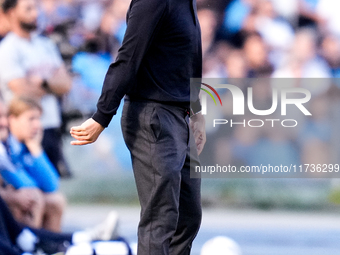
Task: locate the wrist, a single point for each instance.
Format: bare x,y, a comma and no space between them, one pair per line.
196,116
195,108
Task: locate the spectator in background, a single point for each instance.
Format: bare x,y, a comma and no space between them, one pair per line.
26,168
208,21
107,34
90,15
212,66
303,60
235,64
276,32
98,51
256,54
53,13
307,14
288,9
328,12
236,15
31,65
21,201
57,20
104,37
330,51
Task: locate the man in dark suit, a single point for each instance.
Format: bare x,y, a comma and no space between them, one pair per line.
161,51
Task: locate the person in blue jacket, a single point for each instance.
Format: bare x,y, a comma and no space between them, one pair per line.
25,168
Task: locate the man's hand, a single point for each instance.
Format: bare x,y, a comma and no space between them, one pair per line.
197,124
86,133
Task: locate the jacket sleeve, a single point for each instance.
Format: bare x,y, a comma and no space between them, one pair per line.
11,174
45,174
143,19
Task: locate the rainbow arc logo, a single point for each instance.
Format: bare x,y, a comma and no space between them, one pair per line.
210,94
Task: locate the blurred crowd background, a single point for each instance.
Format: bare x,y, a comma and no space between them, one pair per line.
241,38
296,39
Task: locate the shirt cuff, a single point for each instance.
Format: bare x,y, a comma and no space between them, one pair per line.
102,118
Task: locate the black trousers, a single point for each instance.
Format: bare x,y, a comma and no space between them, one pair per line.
10,229
162,148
